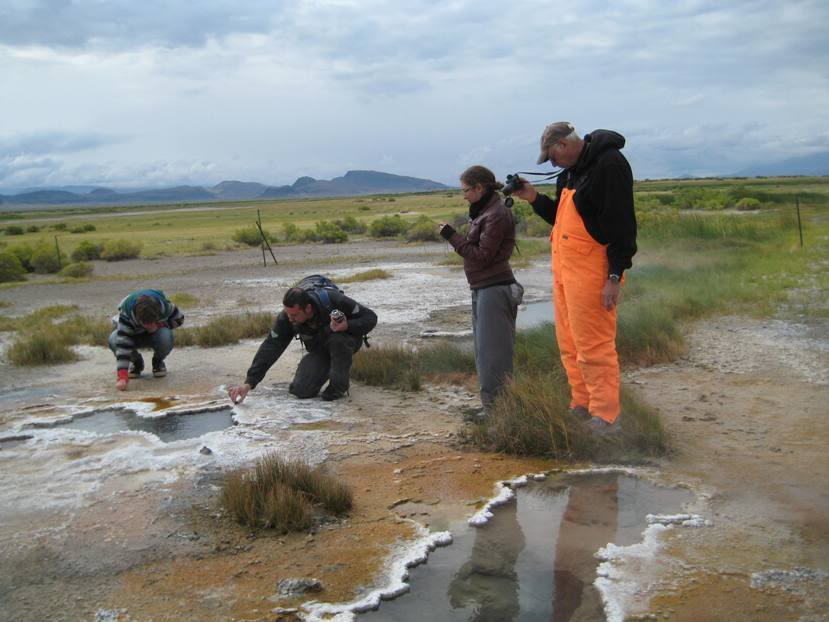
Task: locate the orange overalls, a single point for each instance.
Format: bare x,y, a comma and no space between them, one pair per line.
585,330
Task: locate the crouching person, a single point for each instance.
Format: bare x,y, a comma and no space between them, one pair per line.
146,319
332,328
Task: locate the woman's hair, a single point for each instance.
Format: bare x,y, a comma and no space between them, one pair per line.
481,175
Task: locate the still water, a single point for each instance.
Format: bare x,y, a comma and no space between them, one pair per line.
534,314
168,429
534,560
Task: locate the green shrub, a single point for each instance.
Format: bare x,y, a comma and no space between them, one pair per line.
45,259
291,232
86,251
538,228
14,230
32,229
747,203
23,252
249,236
10,268
77,270
119,250
423,230
329,233
350,224
82,228
59,226
387,227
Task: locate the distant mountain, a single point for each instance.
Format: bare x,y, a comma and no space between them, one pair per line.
229,190
43,197
812,165
353,183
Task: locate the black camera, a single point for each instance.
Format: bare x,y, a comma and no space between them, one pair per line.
511,184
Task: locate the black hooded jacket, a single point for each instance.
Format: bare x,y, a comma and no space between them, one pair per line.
314,333
603,183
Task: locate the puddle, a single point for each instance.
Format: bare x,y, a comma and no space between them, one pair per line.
159,403
535,559
534,314
174,427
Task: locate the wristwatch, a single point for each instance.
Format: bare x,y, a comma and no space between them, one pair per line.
613,277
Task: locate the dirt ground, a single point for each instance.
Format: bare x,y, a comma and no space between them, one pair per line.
746,411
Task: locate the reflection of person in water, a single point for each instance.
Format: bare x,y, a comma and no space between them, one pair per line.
589,523
488,582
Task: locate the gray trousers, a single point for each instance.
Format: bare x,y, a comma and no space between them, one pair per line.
493,326
329,361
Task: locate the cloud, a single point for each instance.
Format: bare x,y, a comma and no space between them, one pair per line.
54,142
271,90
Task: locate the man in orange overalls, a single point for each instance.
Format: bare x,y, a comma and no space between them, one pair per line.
593,241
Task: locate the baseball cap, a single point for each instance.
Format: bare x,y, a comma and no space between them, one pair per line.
552,133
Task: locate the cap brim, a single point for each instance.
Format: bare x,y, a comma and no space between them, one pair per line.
542,158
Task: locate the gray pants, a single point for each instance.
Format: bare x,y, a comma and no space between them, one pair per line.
329,361
493,326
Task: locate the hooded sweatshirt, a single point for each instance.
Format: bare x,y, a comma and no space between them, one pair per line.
603,183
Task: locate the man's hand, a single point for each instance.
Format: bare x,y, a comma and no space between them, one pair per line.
121,384
526,191
338,327
610,294
238,393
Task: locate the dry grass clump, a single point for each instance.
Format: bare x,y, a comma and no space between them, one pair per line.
282,494
183,299
224,330
405,368
45,339
367,275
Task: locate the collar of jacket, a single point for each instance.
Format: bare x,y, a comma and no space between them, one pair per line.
478,206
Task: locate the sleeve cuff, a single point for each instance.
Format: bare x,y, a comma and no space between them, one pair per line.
123,374
447,232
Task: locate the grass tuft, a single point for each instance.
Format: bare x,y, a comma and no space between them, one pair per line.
367,275
282,494
224,330
405,368
43,338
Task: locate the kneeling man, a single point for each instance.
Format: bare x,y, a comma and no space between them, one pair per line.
330,325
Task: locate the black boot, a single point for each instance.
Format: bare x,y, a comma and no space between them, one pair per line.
136,366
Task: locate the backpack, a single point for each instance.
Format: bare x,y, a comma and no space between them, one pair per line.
319,285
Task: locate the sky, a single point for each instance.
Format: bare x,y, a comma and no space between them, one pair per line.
156,93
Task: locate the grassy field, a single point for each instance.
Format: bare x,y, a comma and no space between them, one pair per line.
192,229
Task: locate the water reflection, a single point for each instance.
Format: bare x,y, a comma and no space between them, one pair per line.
534,560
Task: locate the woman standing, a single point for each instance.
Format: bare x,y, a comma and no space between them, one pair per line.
496,294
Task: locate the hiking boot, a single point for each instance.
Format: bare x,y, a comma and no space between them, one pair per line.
331,394
600,427
474,414
581,413
136,367
159,369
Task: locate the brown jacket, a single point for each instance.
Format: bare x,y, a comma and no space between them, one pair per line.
488,245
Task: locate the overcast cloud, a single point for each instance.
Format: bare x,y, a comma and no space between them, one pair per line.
152,93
